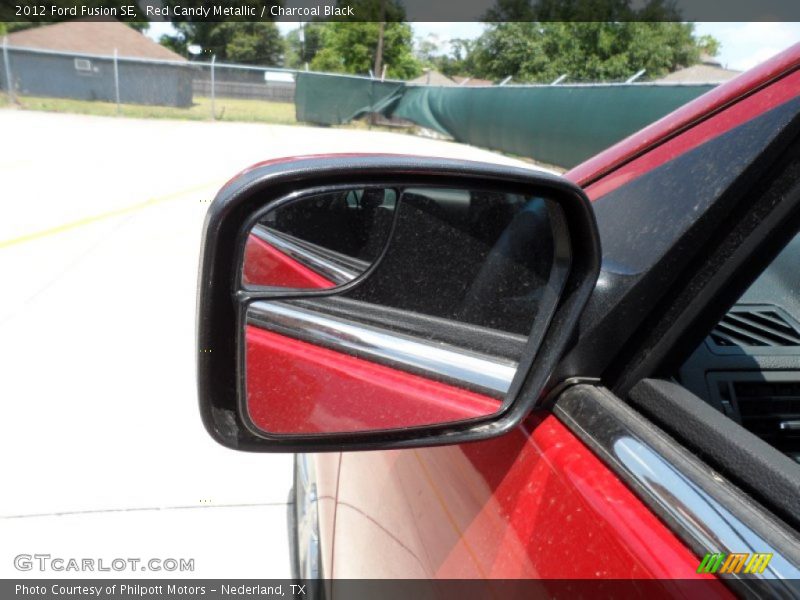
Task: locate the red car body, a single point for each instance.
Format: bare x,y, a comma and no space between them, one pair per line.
536,503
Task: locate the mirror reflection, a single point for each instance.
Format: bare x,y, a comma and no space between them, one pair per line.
433,334
321,240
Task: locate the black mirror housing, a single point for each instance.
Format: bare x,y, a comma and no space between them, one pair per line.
222,300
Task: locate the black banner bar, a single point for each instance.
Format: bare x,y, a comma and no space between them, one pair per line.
410,10
383,589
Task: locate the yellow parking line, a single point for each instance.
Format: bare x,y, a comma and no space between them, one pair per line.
16,163
106,215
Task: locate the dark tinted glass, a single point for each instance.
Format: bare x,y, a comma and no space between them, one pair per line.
491,263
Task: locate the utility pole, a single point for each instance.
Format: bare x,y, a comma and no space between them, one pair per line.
378,58
379,50
116,79
635,76
9,79
213,90
302,35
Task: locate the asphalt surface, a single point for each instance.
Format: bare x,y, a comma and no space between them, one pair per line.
103,452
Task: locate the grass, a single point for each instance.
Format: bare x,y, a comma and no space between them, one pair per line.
226,109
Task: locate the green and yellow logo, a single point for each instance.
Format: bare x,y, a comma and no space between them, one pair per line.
734,563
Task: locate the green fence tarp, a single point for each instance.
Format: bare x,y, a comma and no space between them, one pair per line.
336,99
560,125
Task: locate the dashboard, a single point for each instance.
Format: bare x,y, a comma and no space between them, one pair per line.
748,367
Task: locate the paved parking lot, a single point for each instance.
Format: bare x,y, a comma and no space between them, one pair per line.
103,452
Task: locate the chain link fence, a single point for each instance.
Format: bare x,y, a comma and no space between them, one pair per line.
555,124
219,88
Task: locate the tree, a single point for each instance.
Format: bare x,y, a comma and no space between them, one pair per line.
302,50
255,42
588,40
350,47
540,52
709,45
428,50
460,60
237,38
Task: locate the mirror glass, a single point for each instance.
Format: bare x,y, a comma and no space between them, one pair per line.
464,283
319,241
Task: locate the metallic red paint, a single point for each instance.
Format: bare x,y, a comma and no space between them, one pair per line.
535,503
284,159
266,265
686,117
297,387
750,107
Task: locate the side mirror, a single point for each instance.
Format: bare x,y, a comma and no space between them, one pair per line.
379,301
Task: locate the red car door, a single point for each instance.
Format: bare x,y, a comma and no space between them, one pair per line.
536,503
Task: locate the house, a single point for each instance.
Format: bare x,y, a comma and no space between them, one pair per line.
434,77
75,59
707,70
471,81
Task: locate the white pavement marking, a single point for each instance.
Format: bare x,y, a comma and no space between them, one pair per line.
205,535
97,340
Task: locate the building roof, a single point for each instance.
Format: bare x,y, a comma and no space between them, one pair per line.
92,36
472,81
708,71
433,77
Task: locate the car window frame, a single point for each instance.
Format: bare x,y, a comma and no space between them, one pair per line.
766,217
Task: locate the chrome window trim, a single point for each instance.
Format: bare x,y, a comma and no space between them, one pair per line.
444,362
704,509
339,269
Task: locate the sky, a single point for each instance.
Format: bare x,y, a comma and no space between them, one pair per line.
743,45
